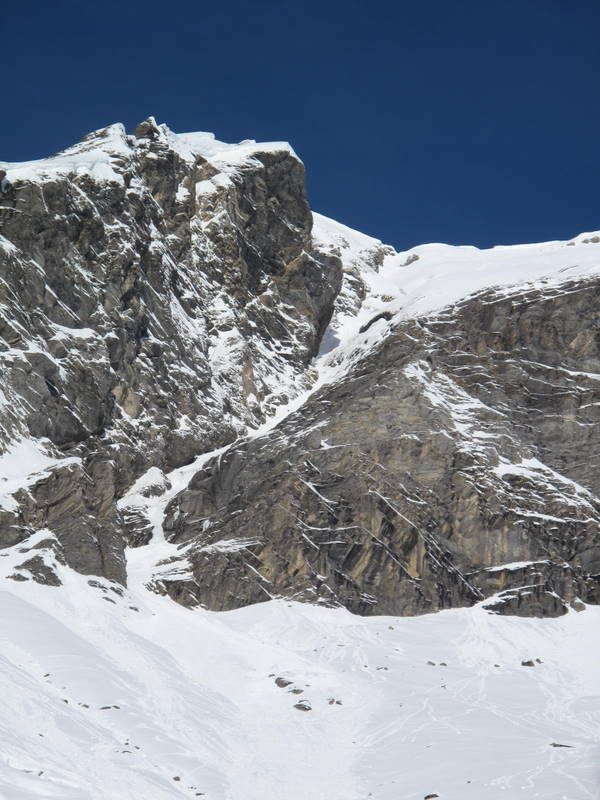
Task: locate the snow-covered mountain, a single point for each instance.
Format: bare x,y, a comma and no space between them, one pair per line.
213,396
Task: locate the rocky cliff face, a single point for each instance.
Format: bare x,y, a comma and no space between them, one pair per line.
164,298
417,481
157,299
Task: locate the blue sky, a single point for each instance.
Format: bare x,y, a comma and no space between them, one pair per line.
471,122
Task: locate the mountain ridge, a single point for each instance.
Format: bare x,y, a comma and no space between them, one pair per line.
182,292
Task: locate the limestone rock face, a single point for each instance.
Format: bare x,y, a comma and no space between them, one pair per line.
445,467
156,300
278,406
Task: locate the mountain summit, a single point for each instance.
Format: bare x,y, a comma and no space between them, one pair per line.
213,396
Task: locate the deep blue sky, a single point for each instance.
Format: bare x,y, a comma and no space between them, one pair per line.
466,122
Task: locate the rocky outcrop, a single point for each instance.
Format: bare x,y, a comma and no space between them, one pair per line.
444,468
157,299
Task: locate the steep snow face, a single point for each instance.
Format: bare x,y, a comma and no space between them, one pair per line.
96,155
432,278
127,695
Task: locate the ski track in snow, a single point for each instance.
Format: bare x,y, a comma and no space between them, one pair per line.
156,692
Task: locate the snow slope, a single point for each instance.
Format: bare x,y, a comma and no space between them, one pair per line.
124,697
429,278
